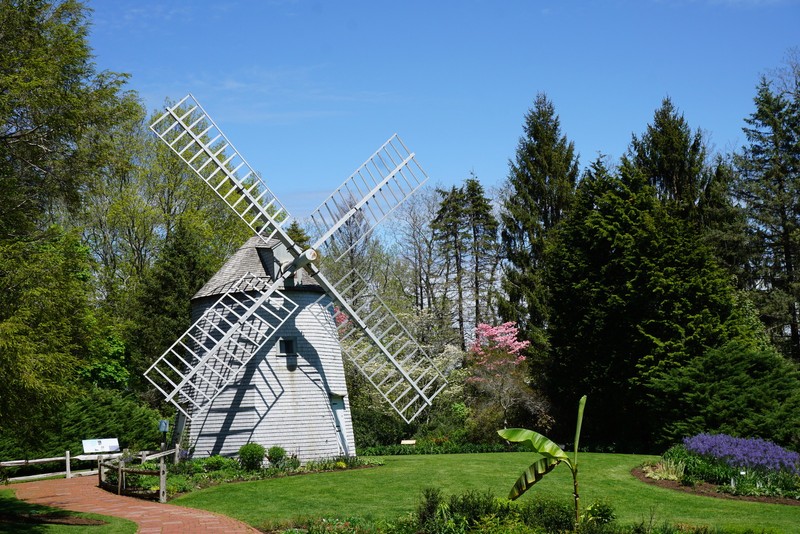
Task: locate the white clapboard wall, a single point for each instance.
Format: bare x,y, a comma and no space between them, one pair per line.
292,393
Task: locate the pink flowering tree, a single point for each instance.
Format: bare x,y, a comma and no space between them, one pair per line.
499,376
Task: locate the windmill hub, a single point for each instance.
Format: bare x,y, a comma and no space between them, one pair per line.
309,256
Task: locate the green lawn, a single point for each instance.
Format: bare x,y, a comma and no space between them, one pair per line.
12,511
394,489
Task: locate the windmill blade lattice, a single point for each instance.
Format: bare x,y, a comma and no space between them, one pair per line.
188,130
383,350
371,193
210,354
398,367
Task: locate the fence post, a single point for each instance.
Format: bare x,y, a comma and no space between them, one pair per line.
177,454
120,474
69,470
162,481
100,470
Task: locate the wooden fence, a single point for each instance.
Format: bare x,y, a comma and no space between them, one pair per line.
115,461
119,463
67,459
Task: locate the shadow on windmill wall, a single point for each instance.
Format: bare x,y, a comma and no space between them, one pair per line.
291,399
240,414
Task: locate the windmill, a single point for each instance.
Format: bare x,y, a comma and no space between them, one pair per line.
249,321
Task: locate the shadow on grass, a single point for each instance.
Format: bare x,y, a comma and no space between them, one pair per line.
21,516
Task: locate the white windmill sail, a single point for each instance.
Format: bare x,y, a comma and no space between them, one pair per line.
209,355
188,130
384,351
406,377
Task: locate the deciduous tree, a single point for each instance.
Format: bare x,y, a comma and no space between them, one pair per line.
56,113
55,110
498,376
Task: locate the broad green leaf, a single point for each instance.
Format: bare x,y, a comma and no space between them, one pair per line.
532,475
581,406
540,443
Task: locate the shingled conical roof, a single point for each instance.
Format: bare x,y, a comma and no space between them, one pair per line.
259,260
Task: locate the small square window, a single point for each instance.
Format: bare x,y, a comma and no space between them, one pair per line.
286,346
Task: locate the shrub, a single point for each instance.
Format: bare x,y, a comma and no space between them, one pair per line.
734,389
251,456
548,515
95,413
599,512
698,467
481,512
474,505
275,455
432,500
290,463
187,467
218,463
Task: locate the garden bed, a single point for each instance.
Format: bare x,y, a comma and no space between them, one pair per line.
709,490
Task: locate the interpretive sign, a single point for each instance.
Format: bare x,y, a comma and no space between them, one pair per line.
100,445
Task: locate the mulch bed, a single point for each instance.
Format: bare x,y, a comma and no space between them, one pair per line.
709,490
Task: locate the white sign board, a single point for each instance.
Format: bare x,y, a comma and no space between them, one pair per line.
100,445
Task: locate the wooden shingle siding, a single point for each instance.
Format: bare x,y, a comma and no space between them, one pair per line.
283,400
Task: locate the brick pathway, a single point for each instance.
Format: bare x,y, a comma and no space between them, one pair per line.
81,494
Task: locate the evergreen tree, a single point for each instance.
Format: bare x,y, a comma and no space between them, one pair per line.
163,306
738,389
298,235
541,186
45,324
769,187
483,247
634,295
466,231
672,158
722,223
452,236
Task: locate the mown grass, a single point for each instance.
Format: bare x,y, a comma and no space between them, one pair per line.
393,490
16,515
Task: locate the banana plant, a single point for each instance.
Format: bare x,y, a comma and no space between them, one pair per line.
551,456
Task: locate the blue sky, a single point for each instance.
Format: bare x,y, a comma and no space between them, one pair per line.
308,89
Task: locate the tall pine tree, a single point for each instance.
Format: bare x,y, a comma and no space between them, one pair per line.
541,185
672,158
769,187
452,236
483,247
466,231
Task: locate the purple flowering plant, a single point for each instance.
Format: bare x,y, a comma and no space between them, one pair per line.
748,453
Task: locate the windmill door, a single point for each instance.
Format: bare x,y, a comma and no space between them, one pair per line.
337,407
